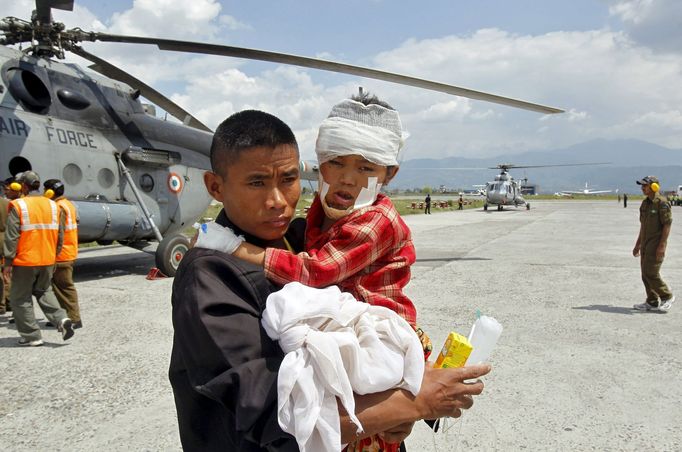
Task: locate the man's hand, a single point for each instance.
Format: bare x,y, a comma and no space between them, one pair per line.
635,250
444,392
660,252
7,274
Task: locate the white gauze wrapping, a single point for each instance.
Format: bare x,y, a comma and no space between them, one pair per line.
340,137
353,128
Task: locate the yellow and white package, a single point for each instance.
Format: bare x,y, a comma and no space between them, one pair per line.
455,352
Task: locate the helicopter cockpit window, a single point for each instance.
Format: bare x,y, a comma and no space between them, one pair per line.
29,90
146,183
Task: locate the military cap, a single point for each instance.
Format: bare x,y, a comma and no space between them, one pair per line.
30,178
648,180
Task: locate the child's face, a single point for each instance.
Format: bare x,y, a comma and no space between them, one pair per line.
347,175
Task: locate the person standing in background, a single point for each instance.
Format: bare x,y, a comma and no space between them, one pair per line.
62,279
655,217
4,206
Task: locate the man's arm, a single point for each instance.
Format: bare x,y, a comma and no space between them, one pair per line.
665,216
12,233
62,227
443,393
660,250
638,243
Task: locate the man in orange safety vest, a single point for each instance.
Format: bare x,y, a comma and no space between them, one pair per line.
33,238
62,279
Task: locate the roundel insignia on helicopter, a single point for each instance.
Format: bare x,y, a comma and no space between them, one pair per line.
174,183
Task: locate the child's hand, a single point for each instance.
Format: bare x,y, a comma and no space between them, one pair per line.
215,237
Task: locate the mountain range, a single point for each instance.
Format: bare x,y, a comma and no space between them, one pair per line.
623,162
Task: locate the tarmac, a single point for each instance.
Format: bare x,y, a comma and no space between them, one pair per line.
575,369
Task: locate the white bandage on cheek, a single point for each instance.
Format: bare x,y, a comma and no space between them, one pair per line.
365,198
216,237
368,195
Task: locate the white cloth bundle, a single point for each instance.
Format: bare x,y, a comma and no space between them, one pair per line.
335,346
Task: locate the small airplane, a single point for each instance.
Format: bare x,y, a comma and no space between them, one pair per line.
479,190
134,178
585,191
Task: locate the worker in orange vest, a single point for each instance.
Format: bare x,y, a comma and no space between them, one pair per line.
62,279
33,238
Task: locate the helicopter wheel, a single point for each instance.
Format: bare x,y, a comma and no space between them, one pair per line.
485,206
170,252
527,206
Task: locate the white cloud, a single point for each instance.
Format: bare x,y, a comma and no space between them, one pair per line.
233,24
575,115
634,11
670,119
656,24
168,18
446,110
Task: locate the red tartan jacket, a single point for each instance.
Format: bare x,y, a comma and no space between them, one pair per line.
367,253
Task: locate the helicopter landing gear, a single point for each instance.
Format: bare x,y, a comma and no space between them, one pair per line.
500,208
485,206
170,252
527,206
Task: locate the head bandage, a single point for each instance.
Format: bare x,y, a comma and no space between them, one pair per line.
352,128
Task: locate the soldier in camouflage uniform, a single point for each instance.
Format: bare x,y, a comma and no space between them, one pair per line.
655,217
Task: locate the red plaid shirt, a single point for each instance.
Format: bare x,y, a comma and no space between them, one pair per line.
367,253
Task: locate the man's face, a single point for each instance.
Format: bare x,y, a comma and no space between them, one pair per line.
260,190
646,189
11,194
347,175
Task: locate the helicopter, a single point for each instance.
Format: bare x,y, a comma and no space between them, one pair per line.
507,191
504,190
134,178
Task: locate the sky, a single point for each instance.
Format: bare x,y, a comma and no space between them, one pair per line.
615,66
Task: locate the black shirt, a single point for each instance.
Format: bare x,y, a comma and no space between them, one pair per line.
223,366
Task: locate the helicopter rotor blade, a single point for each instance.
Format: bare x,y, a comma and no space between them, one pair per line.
109,70
313,63
547,166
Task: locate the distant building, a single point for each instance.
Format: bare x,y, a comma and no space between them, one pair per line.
530,189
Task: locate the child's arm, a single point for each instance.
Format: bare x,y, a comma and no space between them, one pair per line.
353,247
250,253
216,237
